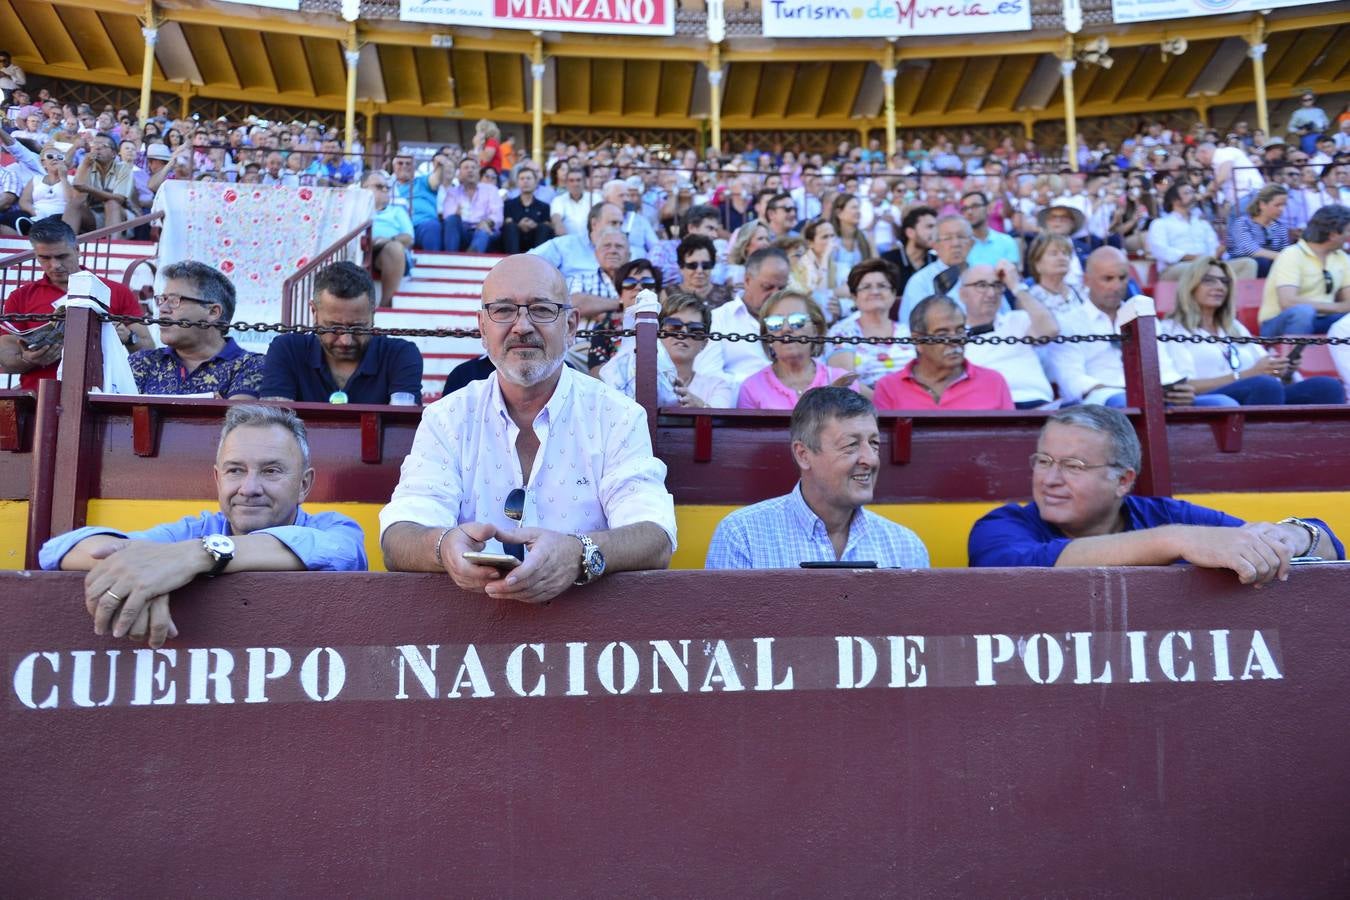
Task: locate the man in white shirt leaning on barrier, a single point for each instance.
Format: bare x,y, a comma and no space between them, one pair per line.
537,445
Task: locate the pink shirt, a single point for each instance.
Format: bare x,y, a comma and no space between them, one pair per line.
978,388
763,390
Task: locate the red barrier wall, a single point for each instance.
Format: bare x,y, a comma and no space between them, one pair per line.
1233,783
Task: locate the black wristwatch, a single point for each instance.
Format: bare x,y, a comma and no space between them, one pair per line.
130,342
221,550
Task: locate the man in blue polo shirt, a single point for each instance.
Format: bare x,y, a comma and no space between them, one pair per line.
262,475
343,368
196,359
1083,513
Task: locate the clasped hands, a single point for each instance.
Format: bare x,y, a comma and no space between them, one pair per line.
127,590
552,562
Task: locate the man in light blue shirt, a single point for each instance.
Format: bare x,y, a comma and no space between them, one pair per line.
989,246
835,443
953,240
262,474
574,254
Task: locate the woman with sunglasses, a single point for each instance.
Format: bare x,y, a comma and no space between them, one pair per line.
685,322
696,256
630,279
794,370
874,284
51,194
1244,372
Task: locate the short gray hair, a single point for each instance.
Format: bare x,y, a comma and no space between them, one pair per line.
256,415
208,283
819,405
918,316
1125,452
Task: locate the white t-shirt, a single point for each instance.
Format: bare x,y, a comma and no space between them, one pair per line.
574,212
1246,177
1019,364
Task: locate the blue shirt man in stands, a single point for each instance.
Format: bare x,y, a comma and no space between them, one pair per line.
343,368
262,475
835,443
574,254
1083,513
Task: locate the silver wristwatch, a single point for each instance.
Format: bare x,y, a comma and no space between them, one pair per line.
592,560
221,549
1314,534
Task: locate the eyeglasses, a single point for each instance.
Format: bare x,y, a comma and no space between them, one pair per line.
784,208
1069,467
1230,351
540,313
795,321
645,283
173,301
967,207
1211,280
1328,283
674,327
983,285
703,266
54,157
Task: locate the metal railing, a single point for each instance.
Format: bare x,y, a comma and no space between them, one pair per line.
297,290
96,254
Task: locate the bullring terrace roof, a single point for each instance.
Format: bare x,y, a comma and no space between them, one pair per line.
267,56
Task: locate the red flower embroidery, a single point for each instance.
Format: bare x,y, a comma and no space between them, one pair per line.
230,196
306,194
226,266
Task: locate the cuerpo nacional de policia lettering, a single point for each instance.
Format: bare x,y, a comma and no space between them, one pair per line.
92,679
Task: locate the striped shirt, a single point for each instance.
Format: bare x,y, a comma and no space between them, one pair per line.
1248,235
783,532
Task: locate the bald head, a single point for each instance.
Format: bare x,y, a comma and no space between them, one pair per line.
1107,278
532,276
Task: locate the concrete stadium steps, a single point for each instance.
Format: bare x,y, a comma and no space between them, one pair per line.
444,291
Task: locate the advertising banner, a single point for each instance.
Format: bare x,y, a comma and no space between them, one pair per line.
595,16
274,4
1126,11
892,18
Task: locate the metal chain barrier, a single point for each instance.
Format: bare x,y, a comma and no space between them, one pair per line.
731,337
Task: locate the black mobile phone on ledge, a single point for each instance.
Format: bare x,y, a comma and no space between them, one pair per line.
839,564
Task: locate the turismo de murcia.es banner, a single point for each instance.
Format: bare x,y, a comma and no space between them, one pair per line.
599,16
892,18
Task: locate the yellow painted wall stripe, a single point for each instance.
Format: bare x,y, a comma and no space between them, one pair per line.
943,527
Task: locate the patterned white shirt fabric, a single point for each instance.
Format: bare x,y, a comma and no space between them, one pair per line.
872,362
594,469
783,532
